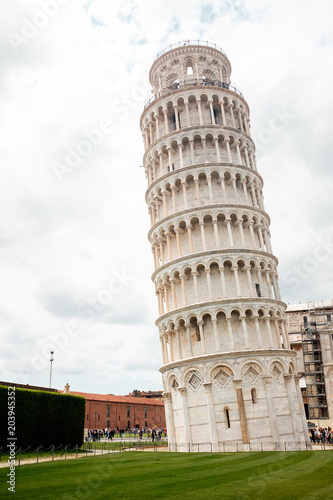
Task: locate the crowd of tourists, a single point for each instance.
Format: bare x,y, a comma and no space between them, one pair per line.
154,434
321,435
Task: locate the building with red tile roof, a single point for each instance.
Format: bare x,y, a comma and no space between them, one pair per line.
110,411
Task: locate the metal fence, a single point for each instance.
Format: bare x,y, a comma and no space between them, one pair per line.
52,453
234,447
184,43
193,82
42,454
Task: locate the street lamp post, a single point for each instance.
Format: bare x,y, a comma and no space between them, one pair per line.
51,359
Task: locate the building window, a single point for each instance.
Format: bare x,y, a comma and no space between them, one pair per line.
128,411
99,417
254,396
128,423
305,319
227,416
146,423
329,318
108,411
258,290
108,424
145,412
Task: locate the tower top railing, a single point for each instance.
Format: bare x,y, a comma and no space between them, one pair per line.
183,43
192,83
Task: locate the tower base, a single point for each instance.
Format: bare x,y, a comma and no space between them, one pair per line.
235,401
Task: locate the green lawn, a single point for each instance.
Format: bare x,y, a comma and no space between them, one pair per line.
136,475
110,446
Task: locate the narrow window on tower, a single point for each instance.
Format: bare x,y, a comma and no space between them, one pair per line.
305,320
254,396
258,290
227,416
128,411
173,122
108,410
145,412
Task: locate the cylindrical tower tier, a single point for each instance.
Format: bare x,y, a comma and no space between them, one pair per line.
228,372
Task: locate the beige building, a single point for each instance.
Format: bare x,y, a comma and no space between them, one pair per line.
310,330
228,372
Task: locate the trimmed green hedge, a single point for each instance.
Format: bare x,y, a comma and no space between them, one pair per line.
43,418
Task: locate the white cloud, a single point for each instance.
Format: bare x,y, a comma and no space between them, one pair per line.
60,242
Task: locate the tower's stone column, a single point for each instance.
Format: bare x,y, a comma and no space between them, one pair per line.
211,416
169,420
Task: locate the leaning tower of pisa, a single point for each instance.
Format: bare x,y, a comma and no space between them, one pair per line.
228,372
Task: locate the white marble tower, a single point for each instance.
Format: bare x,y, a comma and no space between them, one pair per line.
228,371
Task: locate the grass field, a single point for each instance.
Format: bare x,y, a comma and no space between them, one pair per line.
116,445
306,475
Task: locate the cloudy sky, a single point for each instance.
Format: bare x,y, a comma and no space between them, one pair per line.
74,256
